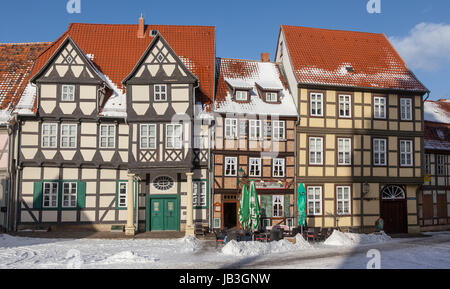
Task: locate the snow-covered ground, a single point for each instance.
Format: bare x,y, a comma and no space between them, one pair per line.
341,250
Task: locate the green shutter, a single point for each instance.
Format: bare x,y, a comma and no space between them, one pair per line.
266,201
37,195
287,206
81,195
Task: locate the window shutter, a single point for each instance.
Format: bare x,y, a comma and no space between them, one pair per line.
37,195
266,201
81,195
287,206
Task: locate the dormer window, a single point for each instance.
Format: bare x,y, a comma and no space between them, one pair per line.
271,97
68,93
241,95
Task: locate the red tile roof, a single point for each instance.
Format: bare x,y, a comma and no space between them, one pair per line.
16,62
117,49
321,56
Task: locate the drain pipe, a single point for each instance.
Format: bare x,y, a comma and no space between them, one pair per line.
17,169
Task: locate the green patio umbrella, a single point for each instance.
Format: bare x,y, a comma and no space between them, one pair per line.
301,205
255,209
244,210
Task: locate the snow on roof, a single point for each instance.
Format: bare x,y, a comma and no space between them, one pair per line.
239,83
431,144
27,100
437,111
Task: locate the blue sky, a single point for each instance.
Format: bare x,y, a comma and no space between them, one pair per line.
245,28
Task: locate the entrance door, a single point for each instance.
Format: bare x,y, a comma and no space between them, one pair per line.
393,210
163,214
229,215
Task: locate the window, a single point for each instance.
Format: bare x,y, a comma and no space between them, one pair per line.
68,135
315,150
271,97
163,183
279,132
379,152
314,198
148,136
69,195
199,195
122,198
255,129
379,107
278,167
345,103
316,100
174,136
242,127
277,205
440,165
406,153
267,129
343,200
68,93
160,92
241,95
107,136
50,195
230,128
49,135
254,167
230,166
344,151
405,109
427,164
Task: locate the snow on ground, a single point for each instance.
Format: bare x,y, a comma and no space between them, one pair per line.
188,253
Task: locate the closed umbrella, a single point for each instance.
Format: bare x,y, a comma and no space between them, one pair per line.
244,210
255,209
301,205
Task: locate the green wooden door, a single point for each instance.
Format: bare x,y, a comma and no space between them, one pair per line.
170,215
157,214
163,213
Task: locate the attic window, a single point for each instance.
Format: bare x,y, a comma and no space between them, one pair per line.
153,32
440,134
160,57
350,68
241,95
271,97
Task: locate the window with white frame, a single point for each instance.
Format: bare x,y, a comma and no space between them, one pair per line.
68,93
148,136
316,103
254,167
122,195
379,152
271,96
427,164
230,166
50,195
278,167
242,127
231,128
160,92
199,195
379,107
241,95
279,130
345,104
344,151
107,136
343,200
406,153
405,108
278,206
316,150
440,165
68,135
255,129
267,129
69,195
174,136
49,135
314,200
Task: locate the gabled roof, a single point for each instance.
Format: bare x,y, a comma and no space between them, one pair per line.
348,59
232,74
437,111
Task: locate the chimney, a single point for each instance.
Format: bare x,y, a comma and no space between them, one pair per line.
265,57
141,28
442,100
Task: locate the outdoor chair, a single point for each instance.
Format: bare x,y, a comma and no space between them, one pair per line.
220,236
313,233
276,234
323,235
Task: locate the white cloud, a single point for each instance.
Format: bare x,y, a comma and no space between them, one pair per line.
427,46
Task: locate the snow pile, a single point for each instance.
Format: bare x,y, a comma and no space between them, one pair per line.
350,239
189,244
301,243
253,248
128,257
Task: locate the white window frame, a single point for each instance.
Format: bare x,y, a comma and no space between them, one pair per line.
277,206
230,166
343,199
315,151
405,108
73,196
69,136
379,107
255,128
231,127
278,130
122,195
241,95
267,133
316,99
345,150
107,137
345,100
279,167
254,167
49,136
271,97
177,139
68,92
53,196
381,154
199,195
314,203
160,92
147,137
406,156
242,127
427,160
441,165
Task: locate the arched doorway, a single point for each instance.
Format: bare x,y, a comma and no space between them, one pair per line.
393,209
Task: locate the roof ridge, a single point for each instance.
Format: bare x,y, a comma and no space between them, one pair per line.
253,60
329,29
26,43
129,24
